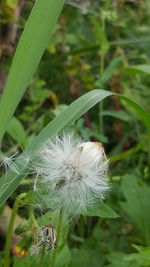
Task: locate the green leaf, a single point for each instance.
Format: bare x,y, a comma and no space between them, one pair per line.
109,71
86,256
26,261
100,35
93,47
137,195
17,132
33,42
116,259
64,257
101,210
142,113
145,68
122,115
73,112
142,258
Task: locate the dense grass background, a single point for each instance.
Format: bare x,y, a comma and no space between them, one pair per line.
97,44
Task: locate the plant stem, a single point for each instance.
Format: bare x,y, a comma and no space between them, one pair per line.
10,230
42,257
31,217
57,237
101,103
102,60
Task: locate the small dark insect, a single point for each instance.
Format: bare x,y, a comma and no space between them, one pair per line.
47,235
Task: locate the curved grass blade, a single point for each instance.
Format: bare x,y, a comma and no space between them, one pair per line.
142,113
10,181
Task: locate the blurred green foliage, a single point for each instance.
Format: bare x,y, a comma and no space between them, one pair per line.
103,44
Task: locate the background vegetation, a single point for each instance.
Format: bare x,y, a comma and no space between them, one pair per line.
95,44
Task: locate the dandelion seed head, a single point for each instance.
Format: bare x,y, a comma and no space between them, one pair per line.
72,173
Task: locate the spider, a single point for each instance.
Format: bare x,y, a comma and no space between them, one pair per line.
47,235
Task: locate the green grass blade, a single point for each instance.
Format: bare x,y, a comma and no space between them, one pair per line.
33,42
144,68
70,115
142,113
9,183
17,132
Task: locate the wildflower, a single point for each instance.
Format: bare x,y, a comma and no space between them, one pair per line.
71,174
19,251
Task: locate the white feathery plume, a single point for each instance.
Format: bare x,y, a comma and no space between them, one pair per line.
71,173
8,162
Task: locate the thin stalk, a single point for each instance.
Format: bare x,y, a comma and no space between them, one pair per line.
32,217
102,61
10,230
101,103
42,257
57,237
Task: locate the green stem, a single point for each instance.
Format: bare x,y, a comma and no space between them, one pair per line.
102,61
57,238
101,103
32,218
42,257
10,230
101,118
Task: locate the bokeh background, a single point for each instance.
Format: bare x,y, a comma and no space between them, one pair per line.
96,44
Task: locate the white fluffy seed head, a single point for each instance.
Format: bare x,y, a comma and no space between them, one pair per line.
71,174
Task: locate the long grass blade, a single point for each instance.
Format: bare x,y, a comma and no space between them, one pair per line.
33,42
